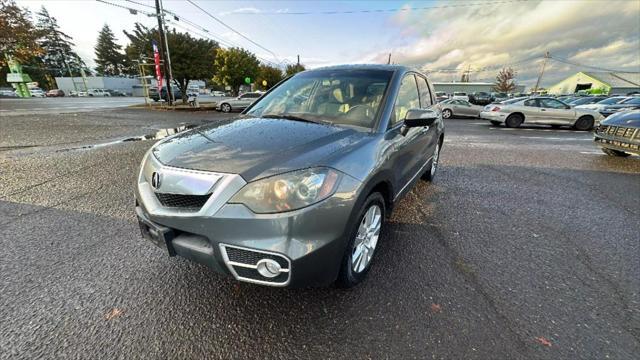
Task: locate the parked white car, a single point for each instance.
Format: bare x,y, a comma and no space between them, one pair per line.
218,93
460,96
98,92
37,92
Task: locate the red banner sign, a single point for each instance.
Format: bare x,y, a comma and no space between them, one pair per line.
156,58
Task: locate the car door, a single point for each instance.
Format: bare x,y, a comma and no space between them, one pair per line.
408,150
555,112
530,110
464,108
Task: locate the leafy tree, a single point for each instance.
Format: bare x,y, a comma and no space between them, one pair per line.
109,58
294,69
59,57
505,81
233,65
191,58
271,74
17,36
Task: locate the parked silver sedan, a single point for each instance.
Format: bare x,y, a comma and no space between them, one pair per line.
457,107
239,103
541,110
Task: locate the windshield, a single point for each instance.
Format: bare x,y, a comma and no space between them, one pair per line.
632,101
584,100
613,100
513,101
339,97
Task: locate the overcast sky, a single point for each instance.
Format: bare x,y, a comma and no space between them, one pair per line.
441,36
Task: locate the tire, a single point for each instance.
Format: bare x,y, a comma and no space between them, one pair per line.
514,120
226,108
495,123
353,272
446,113
616,153
584,123
430,174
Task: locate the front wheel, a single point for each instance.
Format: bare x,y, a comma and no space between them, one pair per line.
363,240
584,123
446,113
225,108
612,152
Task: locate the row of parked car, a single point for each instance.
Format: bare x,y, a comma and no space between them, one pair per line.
38,92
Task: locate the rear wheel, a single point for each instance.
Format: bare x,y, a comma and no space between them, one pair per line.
495,122
612,152
584,123
225,108
446,113
363,240
514,120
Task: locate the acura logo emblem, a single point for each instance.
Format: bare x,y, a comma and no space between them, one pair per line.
155,180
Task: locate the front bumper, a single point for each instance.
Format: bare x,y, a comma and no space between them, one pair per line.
492,116
618,138
309,243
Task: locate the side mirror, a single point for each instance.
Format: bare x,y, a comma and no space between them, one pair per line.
418,118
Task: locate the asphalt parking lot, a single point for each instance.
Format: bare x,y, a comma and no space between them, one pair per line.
525,247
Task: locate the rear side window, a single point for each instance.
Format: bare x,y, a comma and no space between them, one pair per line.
408,98
531,102
425,93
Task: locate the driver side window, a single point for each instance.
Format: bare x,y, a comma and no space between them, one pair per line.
408,98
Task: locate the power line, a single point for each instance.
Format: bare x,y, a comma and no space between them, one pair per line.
232,29
131,10
367,11
568,62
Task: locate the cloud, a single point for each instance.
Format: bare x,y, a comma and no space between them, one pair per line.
600,33
244,10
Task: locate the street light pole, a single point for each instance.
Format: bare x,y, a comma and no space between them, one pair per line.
164,44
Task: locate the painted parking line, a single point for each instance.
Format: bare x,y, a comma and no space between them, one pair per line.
556,138
592,153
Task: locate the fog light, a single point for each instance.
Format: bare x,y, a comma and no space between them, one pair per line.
268,268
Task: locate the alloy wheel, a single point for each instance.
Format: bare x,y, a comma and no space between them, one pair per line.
366,239
446,114
434,160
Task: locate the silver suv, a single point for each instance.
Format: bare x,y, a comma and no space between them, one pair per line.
295,191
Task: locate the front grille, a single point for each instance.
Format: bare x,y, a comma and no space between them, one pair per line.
190,202
619,131
252,257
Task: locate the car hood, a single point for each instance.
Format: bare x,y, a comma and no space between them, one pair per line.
626,119
257,147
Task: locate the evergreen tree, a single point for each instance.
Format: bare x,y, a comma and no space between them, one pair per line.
109,58
59,58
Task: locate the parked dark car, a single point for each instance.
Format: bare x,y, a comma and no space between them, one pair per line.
619,134
113,92
585,100
480,98
628,104
499,96
153,94
55,93
296,190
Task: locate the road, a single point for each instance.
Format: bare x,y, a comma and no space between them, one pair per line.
525,247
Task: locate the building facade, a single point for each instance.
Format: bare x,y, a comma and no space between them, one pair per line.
598,82
469,87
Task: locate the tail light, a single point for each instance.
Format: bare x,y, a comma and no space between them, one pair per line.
496,108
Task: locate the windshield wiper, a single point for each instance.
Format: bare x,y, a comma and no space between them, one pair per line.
293,117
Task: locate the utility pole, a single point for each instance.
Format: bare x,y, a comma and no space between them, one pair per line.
164,46
389,60
546,56
298,64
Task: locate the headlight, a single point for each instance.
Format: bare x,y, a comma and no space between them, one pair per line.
287,192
